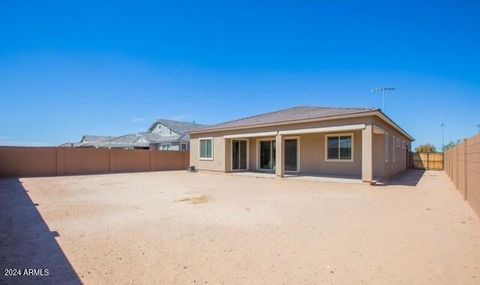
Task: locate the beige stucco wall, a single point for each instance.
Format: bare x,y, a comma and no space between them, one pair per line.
312,155
378,155
312,149
218,162
390,167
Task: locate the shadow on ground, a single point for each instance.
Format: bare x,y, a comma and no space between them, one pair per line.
26,242
410,177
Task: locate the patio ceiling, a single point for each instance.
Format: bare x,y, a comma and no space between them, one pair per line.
299,131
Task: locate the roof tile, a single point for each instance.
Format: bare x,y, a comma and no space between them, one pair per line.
286,115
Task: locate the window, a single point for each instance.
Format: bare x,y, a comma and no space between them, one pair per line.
184,147
339,147
206,149
386,147
165,146
394,150
397,142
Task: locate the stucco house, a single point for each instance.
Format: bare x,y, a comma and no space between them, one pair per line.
358,142
163,134
86,140
166,134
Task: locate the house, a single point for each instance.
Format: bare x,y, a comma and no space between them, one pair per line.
94,139
86,140
358,142
166,134
128,141
163,134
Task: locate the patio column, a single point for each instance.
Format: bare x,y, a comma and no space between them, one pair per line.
367,154
279,156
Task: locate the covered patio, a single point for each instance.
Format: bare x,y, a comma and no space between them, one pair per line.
337,154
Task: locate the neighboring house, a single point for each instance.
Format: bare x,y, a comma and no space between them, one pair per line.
163,134
93,139
87,141
358,142
171,135
129,141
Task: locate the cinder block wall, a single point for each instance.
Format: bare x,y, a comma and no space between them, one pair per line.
53,161
462,164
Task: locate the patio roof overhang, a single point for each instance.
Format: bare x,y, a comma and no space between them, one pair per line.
299,131
323,130
251,135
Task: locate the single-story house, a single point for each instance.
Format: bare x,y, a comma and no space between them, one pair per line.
358,142
87,140
128,141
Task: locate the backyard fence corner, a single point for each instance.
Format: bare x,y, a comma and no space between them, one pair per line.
462,165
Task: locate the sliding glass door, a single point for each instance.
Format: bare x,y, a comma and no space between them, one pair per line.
267,150
239,154
291,154
267,154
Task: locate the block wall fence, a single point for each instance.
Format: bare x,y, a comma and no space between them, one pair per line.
462,164
55,161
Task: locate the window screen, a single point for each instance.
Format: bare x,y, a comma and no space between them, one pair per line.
206,148
339,147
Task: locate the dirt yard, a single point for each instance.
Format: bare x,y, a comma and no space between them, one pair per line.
204,228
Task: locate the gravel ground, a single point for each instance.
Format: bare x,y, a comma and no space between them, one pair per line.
207,228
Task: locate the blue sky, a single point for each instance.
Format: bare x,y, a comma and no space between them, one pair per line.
69,68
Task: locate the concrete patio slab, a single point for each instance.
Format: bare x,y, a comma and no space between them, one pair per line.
308,177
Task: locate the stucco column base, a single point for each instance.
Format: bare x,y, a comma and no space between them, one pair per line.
279,156
367,154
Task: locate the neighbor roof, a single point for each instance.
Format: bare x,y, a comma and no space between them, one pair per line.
129,140
177,126
286,115
157,138
294,114
94,138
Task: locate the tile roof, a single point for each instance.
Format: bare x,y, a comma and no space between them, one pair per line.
177,126
129,140
157,138
286,115
94,138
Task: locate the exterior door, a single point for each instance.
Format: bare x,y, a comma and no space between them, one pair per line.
267,155
291,154
239,155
